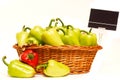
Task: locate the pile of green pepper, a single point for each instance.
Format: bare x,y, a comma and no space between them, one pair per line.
56,35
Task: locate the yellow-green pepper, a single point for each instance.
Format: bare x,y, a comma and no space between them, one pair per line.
21,37
54,68
51,37
70,37
88,38
37,32
32,40
19,69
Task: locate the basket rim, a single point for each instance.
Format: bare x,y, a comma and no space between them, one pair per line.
64,47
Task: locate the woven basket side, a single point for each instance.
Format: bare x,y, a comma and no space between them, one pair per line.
79,59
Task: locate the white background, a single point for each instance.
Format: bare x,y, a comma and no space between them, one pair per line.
16,13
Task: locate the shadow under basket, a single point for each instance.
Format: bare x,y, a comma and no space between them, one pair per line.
78,58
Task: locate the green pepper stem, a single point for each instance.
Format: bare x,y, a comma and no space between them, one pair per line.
61,30
56,23
41,66
90,30
3,59
84,31
58,19
51,21
70,26
25,28
30,56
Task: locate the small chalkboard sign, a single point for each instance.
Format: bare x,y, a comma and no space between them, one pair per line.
103,19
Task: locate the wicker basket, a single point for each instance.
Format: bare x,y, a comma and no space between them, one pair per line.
79,59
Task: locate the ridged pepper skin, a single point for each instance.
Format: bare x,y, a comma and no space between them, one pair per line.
77,32
51,37
18,69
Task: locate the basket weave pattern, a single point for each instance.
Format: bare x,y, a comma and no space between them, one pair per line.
79,59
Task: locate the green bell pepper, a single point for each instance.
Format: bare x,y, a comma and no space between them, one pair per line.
51,37
88,38
54,68
37,32
21,37
19,69
70,37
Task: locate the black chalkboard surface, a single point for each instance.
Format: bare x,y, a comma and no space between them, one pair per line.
103,19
